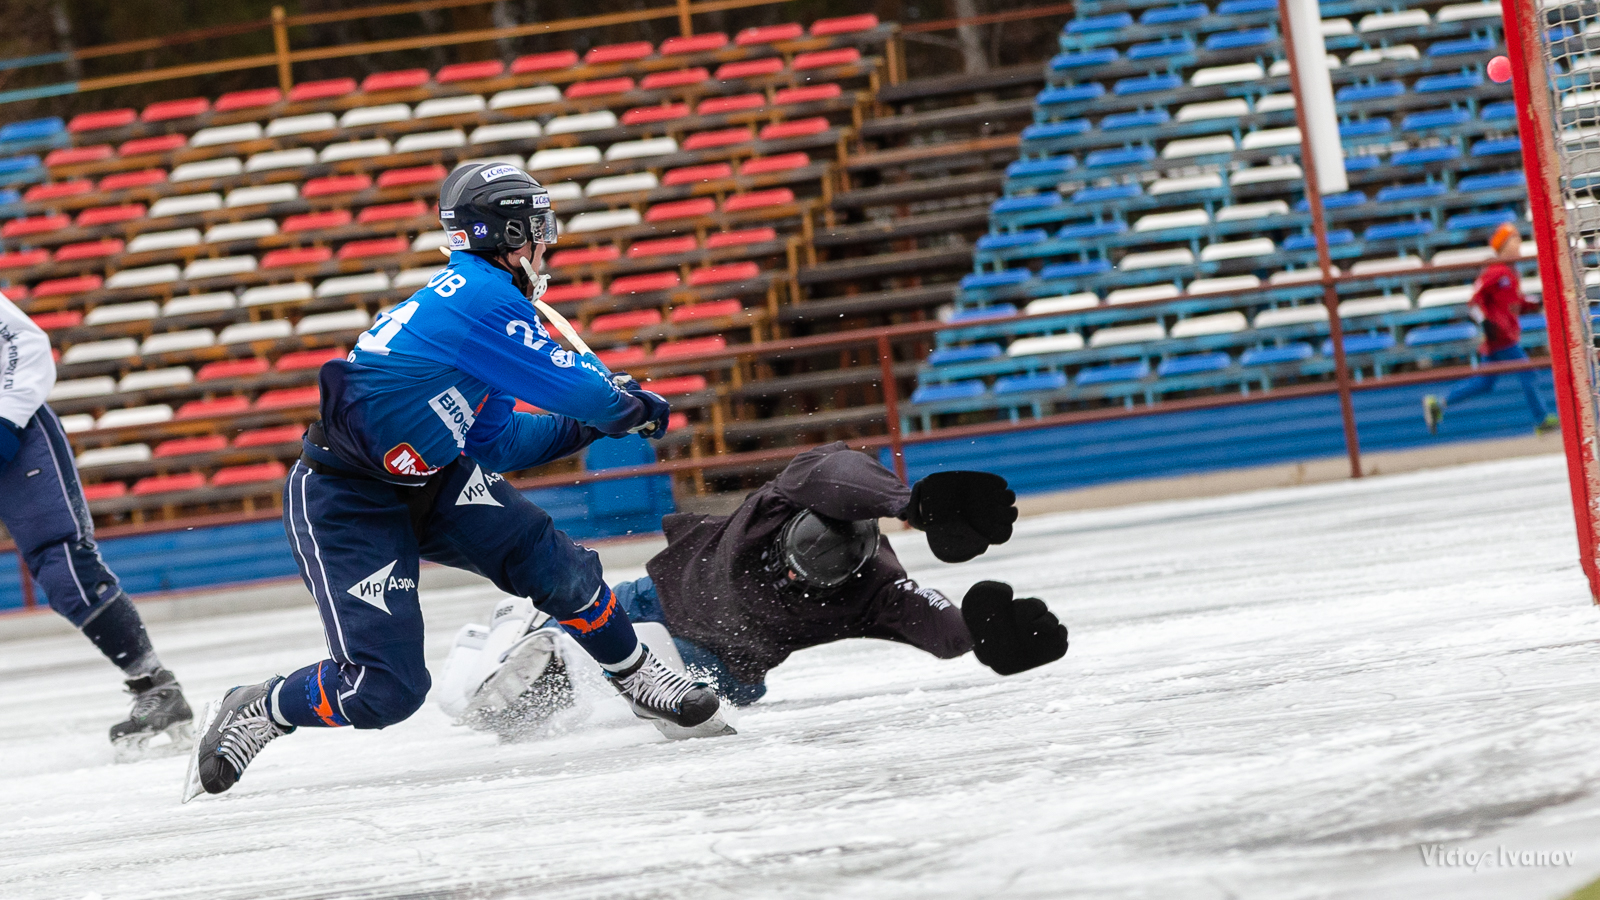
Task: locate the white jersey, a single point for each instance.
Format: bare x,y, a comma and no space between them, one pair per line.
27,373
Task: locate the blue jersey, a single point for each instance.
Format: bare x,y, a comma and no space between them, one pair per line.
438,376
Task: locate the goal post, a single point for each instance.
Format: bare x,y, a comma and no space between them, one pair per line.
1553,60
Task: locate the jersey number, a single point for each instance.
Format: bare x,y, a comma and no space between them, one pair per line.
377,338
528,339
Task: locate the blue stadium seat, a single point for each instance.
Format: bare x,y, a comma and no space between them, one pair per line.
1054,165
1065,128
1423,155
1491,112
1167,15
1360,163
1003,278
1496,146
31,130
1121,156
1081,269
1298,351
1382,90
1453,81
9,196
1360,343
1193,364
1146,84
1025,204
1342,200
1017,239
1241,7
1308,241
981,313
1493,181
12,165
1072,93
1559,33
1096,57
1035,381
1172,46
1107,192
955,390
1112,22
1389,231
1440,334
1435,118
1532,321
1364,127
1233,40
1461,46
1087,230
1113,372
1421,191
1144,118
1480,219
947,355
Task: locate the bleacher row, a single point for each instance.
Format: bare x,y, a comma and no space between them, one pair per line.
195,262
1154,236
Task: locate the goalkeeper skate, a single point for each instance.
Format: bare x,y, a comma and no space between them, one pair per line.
236,728
508,678
678,707
160,723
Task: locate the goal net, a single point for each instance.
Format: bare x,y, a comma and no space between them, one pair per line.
1554,49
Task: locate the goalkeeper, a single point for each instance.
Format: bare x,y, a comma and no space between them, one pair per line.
801,563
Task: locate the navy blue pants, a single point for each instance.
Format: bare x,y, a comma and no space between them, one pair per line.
42,506
358,549
642,604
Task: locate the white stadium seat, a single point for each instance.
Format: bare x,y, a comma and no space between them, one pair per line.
563,158
355,150
1238,249
246,332
1143,293
177,341
1227,74
415,277
1180,256
164,240
620,184
1223,285
590,121
1261,174
1298,276
565,190
110,456
1444,296
1127,334
226,134
431,140
135,415
215,268
1337,27
1386,264
144,277
147,379
603,220
323,121
1461,12
374,115
249,229
1270,137
1049,343
77,422
1242,211
344,320
1064,303
1183,218
1219,323
262,195
139,310
1206,182
533,96
429,240
1281,67
1460,255
298,157
1274,102
506,131
344,285
1200,146
1374,306
1384,21
449,106
641,149
199,303
78,388
288,292
1292,315
225,167
1215,109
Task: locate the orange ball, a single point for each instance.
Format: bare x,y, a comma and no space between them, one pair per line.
1499,70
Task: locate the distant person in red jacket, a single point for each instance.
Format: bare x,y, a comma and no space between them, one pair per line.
1497,302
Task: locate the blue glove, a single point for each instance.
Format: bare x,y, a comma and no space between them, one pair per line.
11,441
656,410
625,382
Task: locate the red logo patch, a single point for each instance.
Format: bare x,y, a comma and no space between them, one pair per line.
403,459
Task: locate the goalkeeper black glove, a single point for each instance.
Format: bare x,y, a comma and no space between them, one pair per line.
962,512
1011,635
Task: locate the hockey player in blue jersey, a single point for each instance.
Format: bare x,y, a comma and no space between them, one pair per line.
416,425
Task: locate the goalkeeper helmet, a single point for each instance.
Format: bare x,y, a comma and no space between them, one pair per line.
494,208
824,553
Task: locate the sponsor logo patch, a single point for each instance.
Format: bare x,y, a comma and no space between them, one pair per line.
375,588
565,359
541,201
455,412
476,493
403,459
490,174
447,214
457,239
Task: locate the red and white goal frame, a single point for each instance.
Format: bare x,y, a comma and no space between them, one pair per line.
1557,85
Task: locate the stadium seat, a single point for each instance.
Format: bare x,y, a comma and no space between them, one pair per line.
71,156
108,490
584,256
820,59
794,128
738,102
738,238
166,110
644,115
161,143
681,209
231,368
749,68
98,121
1107,374
706,140
697,43
617,53
635,284
737,271
166,484
693,174
769,34
470,71
709,310
187,446
403,79
844,25
272,470
1193,364
1269,356
656,81
87,250
122,181
322,90
250,99
625,321
544,62
263,437
335,184
286,398
218,406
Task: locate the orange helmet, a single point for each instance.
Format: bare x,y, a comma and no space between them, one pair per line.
1504,233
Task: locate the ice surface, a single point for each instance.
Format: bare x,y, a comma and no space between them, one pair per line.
1273,695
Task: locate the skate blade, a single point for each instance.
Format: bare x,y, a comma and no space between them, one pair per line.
171,741
716,726
524,663
191,782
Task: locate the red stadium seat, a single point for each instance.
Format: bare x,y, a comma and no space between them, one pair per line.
328,218
779,163
322,90
56,190
758,200
644,115
694,43
740,238
583,256
680,349
161,143
90,250
17,293
166,110
286,398
662,246
749,68
677,420
640,284
797,128
21,259
251,99
598,88
271,470
578,290
713,105
262,437
625,321
618,357
50,321
95,121
71,156
77,284
34,225
715,309
807,94
402,80
705,140
301,360
738,271
819,59
470,71
374,247
122,181
544,62
166,484
106,215
206,443
105,490
615,53
330,185
388,212
844,25
671,387
677,78
692,174
295,256
220,406
231,368
681,209
766,34
415,175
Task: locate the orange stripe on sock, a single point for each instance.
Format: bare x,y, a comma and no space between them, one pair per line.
585,626
324,709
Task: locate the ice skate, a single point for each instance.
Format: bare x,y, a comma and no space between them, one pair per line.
529,687
236,728
1551,423
678,707
1432,412
161,722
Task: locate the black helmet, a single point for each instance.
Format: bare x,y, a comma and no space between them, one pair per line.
824,552
493,208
